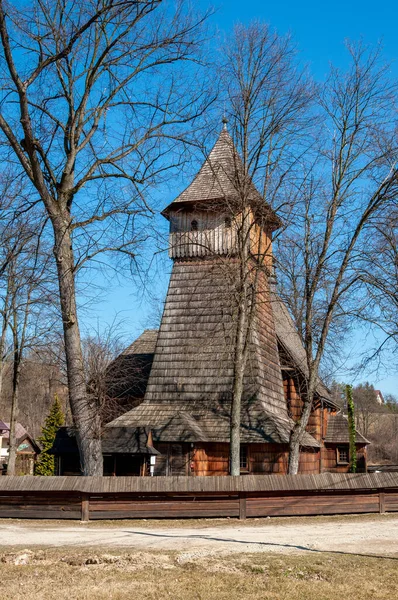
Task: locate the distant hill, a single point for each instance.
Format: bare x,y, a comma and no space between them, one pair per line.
38,386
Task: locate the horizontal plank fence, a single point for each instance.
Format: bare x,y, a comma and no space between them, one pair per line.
90,498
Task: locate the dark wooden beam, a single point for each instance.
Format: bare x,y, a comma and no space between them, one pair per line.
382,502
85,507
242,506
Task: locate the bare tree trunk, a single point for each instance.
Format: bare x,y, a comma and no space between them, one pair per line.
12,453
2,350
299,429
260,77
3,337
239,371
242,341
86,413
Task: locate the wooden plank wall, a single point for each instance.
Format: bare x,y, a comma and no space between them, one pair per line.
309,504
41,505
210,459
174,459
213,459
295,406
211,237
309,461
172,507
261,244
390,501
329,458
83,506
268,458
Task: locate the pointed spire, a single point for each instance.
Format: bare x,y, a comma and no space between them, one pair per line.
217,177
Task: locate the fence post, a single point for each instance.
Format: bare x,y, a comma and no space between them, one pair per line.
85,507
242,506
382,504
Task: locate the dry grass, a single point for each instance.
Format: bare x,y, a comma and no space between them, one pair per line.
198,575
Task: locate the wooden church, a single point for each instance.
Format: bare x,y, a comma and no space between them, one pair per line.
172,387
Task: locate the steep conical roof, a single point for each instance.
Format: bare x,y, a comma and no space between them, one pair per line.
221,177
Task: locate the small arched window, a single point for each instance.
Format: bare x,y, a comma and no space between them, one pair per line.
227,222
194,225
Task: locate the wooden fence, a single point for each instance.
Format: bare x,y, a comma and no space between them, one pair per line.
86,498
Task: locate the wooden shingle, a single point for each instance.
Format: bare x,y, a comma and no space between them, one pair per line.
338,432
188,397
221,177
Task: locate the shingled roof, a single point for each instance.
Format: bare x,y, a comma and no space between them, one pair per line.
286,333
290,341
3,427
222,177
127,376
144,344
202,422
189,389
337,432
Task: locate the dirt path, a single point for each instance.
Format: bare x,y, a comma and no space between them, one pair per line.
374,536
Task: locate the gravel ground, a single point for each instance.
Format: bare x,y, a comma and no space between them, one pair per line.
368,536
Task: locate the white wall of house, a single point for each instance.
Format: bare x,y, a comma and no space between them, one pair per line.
379,397
3,447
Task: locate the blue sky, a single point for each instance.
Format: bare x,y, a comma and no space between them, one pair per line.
319,29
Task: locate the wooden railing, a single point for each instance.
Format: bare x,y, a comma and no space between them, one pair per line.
86,498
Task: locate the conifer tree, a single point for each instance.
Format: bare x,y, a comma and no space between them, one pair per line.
55,419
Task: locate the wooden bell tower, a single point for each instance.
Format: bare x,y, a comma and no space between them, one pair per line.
206,218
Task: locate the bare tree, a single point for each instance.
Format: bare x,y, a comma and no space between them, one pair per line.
384,439
353,179
13,237
27,295
267,102
40,381
367,410
95,97
379,274
100,349
382,424
5,319
19,333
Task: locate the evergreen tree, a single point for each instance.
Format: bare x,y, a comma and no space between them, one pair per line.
55,419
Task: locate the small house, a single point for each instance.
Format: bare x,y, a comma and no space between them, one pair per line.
27,449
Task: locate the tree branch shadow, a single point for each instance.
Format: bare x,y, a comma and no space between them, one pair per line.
257,543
